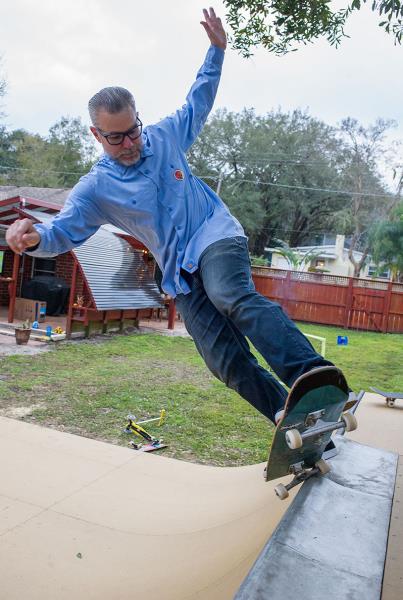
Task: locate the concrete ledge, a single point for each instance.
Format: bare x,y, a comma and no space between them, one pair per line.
393,577
331,543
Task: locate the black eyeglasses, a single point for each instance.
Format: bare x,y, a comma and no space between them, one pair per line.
116,138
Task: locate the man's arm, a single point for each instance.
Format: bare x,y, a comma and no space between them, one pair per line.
187,122
79,220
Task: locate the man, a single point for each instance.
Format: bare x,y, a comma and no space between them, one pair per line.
143,184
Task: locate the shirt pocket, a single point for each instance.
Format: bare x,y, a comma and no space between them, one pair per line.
173,181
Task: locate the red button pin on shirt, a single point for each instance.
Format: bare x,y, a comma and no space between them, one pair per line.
179,175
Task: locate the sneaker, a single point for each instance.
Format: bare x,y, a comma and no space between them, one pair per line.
278,416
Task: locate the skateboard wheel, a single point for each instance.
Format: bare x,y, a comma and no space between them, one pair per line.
281,491
322,466
390,402
293,439
349,421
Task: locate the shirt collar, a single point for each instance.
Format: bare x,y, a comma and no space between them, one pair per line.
146,149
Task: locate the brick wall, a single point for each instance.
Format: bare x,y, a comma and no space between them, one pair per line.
64,267
7,272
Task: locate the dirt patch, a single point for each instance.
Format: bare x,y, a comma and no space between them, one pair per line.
8,347
19,412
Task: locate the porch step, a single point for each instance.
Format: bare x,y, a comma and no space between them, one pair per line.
36,334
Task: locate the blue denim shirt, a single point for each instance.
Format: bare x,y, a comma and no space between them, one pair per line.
158,200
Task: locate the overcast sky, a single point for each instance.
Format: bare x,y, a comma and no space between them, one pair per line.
57,54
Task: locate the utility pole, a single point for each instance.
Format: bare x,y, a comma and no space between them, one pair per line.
220,180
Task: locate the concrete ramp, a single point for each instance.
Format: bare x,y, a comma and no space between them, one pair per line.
87,520
332,541
91,521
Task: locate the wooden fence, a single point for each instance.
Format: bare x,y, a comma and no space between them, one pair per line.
334,300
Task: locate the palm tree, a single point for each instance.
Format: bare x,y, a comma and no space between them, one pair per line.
387,244
296,261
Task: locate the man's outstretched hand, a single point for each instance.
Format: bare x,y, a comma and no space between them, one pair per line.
22,235
214,28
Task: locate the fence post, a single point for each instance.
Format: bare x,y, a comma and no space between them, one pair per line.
171,313
387,300
349,303
287,287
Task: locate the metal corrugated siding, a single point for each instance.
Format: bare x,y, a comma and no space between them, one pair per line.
116,273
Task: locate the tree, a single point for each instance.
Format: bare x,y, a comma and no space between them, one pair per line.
278,25
3,131
369,201
387,243
71,150
2,89
275,172
57,160
27,161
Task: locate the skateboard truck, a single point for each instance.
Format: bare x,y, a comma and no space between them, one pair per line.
295,439
301,474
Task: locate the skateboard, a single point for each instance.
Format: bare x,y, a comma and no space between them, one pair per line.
313,410
390,397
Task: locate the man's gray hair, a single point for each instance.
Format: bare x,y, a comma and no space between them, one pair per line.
111,99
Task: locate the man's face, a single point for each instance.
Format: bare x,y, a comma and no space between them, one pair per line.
128,151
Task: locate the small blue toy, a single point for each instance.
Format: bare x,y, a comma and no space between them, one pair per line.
342,340
35,325
49,330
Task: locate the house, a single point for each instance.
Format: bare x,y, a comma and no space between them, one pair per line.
109,280
331,258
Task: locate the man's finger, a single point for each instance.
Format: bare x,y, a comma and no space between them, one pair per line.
30,239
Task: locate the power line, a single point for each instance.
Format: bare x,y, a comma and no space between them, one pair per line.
237,182
43,172
310,189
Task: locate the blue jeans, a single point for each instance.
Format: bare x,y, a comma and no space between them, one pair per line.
223,310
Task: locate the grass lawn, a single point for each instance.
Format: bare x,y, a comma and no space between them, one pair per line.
89,387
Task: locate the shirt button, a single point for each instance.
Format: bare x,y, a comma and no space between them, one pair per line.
189,265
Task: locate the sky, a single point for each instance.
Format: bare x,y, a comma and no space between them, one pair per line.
56,55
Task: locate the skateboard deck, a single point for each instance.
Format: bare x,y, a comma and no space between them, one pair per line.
311,413
390,397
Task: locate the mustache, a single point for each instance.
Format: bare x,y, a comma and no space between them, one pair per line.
129,152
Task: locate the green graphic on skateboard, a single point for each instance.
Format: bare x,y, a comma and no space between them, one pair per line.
314,409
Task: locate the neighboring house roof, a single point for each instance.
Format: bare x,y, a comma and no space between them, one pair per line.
115,272
46,200
13,199
53,195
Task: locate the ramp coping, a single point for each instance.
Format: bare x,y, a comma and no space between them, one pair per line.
331,542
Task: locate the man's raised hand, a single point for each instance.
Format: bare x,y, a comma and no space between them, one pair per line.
214,29
22,235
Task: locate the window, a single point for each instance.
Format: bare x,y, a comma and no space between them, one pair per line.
375,272
269,257
44,266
